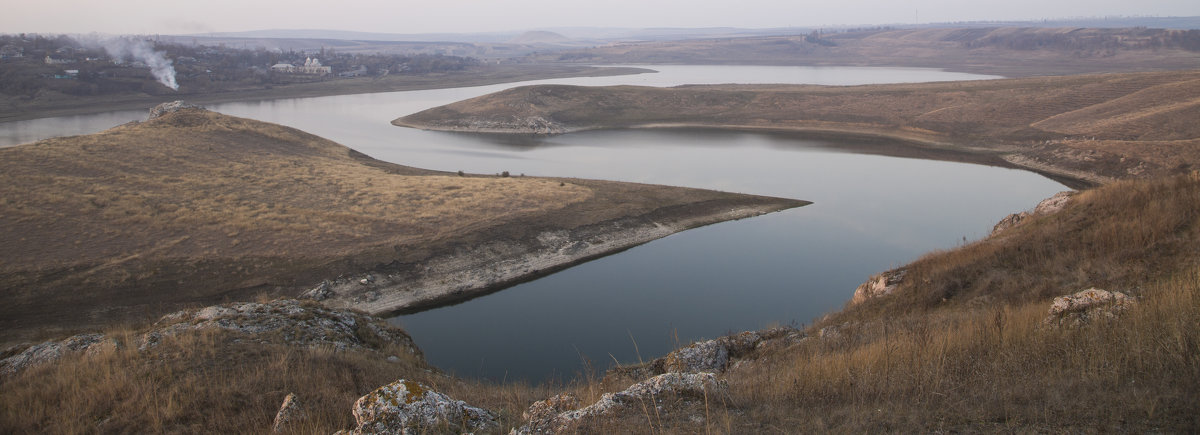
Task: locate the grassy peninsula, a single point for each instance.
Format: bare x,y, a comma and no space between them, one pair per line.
1092,128
195,207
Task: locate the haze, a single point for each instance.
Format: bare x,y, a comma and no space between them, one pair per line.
471,16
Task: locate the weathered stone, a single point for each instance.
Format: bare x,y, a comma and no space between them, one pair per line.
409,407
693,384
1047,206
879,285
284,321
705,356
319,293
1085,306
47,352
174,106
290,413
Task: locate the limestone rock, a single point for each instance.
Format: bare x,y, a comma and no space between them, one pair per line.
1085,306
284,321
49,351
174,106
878,285
290,413
705,356
1048,206
409,407
541,420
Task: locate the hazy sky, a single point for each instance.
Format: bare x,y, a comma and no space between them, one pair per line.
463,16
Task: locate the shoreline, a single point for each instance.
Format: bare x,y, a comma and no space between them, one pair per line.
913,145
455,277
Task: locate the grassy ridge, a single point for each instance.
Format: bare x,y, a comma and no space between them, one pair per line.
1109,126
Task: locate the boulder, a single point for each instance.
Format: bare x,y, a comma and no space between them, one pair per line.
1047,206
48,352
174,106
409,407
290,413
541,418
1087,305
285,321
705,356
879,285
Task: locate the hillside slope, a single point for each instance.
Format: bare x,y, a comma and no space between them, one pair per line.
1095,127
197,207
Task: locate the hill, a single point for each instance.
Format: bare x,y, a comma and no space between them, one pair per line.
196,207
1092,128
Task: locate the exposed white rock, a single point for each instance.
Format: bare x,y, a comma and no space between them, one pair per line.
290,413
174,106
1087,305
879,285
409,407
49,351
705,356
542,419
287,321
1047,206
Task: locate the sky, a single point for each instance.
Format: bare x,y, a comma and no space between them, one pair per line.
474,16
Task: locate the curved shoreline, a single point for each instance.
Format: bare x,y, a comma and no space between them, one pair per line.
463,274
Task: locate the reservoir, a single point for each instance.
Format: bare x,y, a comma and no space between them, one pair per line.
870,213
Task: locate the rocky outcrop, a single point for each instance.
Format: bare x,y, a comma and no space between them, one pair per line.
290,413
286,321
51,351
174,106
1086,306
548,416
714,356
1048,206
878,285
409,407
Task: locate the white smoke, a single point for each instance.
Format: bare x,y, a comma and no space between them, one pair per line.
123,49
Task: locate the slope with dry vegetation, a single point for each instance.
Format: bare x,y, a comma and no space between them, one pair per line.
197,207
1093,127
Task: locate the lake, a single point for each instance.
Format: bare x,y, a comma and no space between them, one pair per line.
869,213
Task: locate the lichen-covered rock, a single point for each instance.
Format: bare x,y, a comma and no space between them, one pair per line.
694,384
409,407
879,285
321,292
1083,307
1047,206
49,351
290,413
285,321
174,106
705,356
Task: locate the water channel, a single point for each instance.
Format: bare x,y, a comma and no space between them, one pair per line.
870,213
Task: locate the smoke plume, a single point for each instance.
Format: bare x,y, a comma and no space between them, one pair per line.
123,49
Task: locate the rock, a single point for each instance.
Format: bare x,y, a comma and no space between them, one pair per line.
1083,307
879,285
290,413
284,321
174,106
49,351
542,419
1050,205
706,356
320,292
409,407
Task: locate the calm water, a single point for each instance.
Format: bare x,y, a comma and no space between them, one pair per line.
870,213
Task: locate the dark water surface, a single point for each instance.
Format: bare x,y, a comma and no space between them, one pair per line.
870,213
